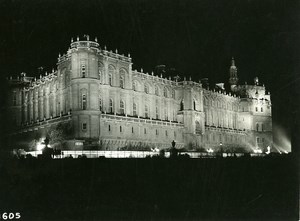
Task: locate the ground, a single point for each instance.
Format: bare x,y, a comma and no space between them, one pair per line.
150,189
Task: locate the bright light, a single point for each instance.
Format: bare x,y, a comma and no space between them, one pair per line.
257,150
269,150
40,146
210,150
155,149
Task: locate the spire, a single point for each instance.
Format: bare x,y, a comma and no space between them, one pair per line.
233,78
232,62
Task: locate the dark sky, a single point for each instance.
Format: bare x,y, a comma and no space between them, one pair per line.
198,38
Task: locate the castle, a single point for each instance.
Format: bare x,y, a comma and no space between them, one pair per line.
110,106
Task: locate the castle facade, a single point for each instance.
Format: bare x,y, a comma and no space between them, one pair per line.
109,105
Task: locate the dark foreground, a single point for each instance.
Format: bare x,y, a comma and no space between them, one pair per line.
150,189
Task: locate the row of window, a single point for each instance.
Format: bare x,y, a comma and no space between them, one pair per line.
260,127
122,108
261,109
145,131
219,104
260,140
224,138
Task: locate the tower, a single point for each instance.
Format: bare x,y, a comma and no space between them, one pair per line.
233,79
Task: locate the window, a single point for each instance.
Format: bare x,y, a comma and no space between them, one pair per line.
121,82
257,140
257,126
122,107
156,113
84,126
156,132
181,105
173,94
134,110
100,104
145,131
132,130
108,127
134,86
100,68
165,92
156,91
121,129
83,102
166,114
110,79
256,109
83,69
194,103
146,111
111,72
166,133
174,134
110,106
14,98
262,127
146,89
261,109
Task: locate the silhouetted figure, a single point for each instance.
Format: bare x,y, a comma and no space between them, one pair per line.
173,143
47,152
173,151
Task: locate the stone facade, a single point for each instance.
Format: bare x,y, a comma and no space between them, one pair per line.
110,105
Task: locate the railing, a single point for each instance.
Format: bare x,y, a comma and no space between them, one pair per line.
137,154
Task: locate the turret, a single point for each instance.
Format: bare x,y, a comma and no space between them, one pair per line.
233,79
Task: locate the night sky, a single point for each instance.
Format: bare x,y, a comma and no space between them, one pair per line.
197,38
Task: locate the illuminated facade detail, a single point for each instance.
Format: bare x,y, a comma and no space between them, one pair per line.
110,105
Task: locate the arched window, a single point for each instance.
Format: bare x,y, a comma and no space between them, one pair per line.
121,82
166,114
173,94
100,104
122,107
146,111
134,112
111,72
156,91
156,113
83,102
134,86
110,106
146,89
165,92
181,105
110,79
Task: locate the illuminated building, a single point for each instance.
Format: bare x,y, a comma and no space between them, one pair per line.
111,106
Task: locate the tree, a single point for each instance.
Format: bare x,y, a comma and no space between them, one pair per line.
58,134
